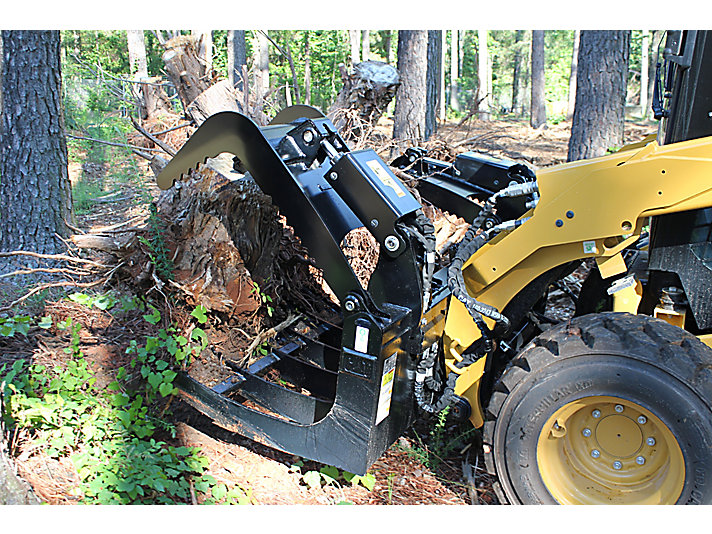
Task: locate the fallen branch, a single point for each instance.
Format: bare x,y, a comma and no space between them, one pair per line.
152,138
110,143
58,257
268,334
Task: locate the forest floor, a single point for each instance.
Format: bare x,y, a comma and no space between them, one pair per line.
425,466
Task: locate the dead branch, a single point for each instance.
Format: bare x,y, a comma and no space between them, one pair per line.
152,138
268,334
110,143
50,285
58,257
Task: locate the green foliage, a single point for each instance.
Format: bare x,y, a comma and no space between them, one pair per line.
156,244
110,434
264,298
330,475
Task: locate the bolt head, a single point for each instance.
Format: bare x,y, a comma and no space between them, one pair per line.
596,414
350,305
374,223
391,243
650,442
618,408
333,175
640,460
642,419
617,465
595,453
308,136
559,223
586,432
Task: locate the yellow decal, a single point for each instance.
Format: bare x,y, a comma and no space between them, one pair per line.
386,178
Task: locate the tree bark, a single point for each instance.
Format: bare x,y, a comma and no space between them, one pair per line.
538,107
409,116
454,71
433,96
483,76
366,42
572,76
652,63
600,93
236,57
35,193
355,39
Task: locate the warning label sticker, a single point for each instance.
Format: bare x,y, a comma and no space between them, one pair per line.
384,399
386,178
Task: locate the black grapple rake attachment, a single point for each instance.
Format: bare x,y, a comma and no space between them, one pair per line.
359,374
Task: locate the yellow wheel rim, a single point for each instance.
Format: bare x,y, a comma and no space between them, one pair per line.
607,450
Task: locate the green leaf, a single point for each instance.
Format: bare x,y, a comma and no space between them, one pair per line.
165,389
154,317
155,380
219,491
45,322
199,314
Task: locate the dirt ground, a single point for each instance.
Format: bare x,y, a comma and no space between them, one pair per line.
404,475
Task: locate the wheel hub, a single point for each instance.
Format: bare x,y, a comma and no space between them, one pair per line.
606,450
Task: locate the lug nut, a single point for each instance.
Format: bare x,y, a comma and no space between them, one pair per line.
650,441
586,432
595,453
618,408
596,413
640,460
617,465
642,419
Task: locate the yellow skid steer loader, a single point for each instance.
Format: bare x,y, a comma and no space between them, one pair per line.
613,406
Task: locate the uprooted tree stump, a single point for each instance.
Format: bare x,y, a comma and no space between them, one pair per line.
364,97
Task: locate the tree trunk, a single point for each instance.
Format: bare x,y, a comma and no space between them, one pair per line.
364,97
572,76
387,45
137,54
454,71
185,68
538,107
307,70
517,106
600,93
35,193
644,74
433,96
442,111
483,76
409,116
366,41
652,63
205,49
355,39
262,83
236,58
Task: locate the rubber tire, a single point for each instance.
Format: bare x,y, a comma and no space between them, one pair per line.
634,357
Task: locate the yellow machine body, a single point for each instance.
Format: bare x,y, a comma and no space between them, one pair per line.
587,209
